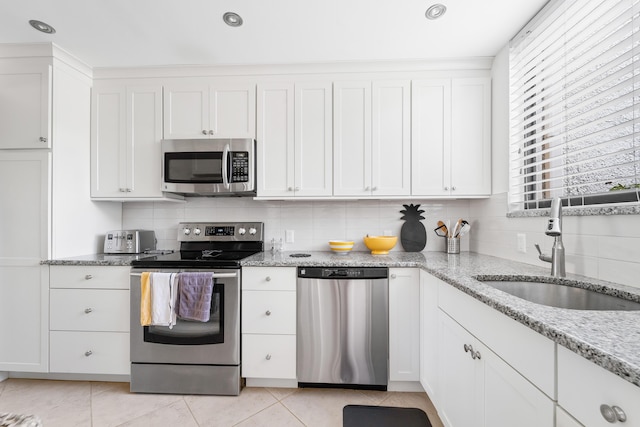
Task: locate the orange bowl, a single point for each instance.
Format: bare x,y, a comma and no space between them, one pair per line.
380,245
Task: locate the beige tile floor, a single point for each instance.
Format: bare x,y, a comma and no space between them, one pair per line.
102,404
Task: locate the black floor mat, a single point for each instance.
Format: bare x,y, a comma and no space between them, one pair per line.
383,416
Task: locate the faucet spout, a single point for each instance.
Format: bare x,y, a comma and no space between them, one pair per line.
554,229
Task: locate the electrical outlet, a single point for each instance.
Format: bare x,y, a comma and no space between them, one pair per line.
522,243
288,236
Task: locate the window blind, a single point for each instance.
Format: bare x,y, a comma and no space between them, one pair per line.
575,105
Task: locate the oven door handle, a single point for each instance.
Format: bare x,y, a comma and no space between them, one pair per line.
215,275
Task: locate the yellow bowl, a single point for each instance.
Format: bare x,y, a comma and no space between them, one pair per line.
341,246
380,245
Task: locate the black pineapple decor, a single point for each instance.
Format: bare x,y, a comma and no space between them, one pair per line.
413,235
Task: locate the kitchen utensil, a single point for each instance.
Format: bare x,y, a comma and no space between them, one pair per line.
464,229
441,230
456,228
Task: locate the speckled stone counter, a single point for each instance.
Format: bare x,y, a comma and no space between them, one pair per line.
96,259
610,339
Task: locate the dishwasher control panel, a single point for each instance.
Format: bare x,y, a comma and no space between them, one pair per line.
343,272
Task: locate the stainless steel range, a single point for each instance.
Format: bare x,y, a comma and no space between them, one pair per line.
195,357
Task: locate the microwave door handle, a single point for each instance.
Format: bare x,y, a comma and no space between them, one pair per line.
225,167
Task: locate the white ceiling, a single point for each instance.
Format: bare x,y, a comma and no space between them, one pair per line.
124,33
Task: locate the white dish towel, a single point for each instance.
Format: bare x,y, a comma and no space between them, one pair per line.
163,299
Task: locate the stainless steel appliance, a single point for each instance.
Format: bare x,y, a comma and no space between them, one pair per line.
195,357
209,167
343,327
129,241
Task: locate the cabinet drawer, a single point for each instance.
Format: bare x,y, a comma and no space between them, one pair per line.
583,387
269,312
269,278
269,356
89,310
90,277
89,352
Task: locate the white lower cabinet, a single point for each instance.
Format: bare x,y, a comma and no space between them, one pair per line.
429,348
269,323
89,320
565,420
585,390
404,324
484,377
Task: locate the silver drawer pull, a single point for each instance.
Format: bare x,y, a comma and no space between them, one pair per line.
613,413
475,355
268,357
268,313
268,279
43,139
467,348
88,310
88,353
88,277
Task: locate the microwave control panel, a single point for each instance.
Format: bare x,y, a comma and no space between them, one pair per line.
240,166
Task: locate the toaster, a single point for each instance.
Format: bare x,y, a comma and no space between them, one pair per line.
129,241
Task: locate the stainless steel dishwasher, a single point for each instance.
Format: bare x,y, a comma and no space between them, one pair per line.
343,327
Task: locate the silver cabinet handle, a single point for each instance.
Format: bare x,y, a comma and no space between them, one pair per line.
613,413
43,139
475,355
268,313
393,276
374,189
453,188
290,189
88,310
268,279
88,277
367,188
204,132
467,348
210,132
297,188
88,353
268,357
446,188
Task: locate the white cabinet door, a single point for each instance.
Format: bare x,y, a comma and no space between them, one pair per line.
126,134
313,139
352,138
276,158
404,324
565,420
429,335
186,111
451,137
25,104
471,137
232,110
294,140
24,231
461,378
431,137
218,110
391,138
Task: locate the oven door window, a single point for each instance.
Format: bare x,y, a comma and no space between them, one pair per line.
193,167
186,332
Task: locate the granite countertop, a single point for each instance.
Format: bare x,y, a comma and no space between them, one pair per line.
610,339
97,259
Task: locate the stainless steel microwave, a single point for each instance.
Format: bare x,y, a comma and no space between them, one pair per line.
209,167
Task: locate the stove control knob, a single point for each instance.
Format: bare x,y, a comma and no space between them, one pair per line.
196,231
252,231
242,231
186,231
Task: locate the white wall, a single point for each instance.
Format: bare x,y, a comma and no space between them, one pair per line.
313,223
606,247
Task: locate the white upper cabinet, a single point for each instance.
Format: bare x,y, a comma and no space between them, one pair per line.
25,104
451,137
126,135
372,138
294,140
220,110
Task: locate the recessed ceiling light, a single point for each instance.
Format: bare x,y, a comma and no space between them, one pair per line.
42,26
232,19
435,11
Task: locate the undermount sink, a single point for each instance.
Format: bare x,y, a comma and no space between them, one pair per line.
565,295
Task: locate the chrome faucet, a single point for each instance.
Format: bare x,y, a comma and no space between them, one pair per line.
554,229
